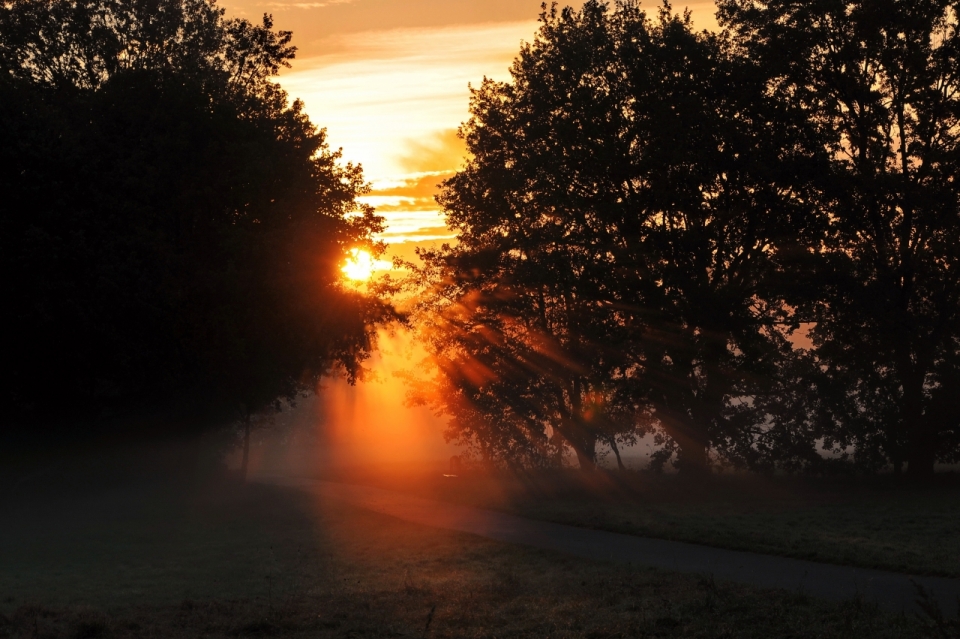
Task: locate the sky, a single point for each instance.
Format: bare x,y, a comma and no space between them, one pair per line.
389,80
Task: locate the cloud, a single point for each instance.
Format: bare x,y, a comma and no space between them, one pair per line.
408,201
375,92
313,28
304,5
460,45
415,185
438,152
419,236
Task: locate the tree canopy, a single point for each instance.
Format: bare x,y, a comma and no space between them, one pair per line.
173,226
648,214
623,208
879,81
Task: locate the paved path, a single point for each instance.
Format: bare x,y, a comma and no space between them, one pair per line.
892,591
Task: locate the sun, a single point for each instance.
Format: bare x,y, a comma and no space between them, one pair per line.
360,266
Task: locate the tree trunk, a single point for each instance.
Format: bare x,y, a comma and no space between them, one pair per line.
574,431
922,454
616,451
692,456
692,460
585,459
583,445
244,463
922,443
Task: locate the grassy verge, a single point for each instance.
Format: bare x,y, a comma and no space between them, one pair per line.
262,561
873,524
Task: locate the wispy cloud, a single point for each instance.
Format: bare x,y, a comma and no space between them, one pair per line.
394,99
377,91
435,153
407,202
304,5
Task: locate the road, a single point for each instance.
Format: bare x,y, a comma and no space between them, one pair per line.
892,591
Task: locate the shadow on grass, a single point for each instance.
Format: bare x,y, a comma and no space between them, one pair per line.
874,522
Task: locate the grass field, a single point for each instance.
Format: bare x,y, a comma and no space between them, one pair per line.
874,523
161,560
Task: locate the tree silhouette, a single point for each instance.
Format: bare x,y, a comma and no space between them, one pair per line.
624,220
173,229
879,81
517,325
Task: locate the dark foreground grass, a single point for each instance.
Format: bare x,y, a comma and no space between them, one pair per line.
875,523
262,561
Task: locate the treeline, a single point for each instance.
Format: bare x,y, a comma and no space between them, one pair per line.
745,243
172,226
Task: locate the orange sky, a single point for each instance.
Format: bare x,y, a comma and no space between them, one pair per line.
389,80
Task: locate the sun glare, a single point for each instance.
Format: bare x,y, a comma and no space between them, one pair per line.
360,266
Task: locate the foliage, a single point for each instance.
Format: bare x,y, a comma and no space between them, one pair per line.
173,228
649,214
879,82
624,221
81,44
516,325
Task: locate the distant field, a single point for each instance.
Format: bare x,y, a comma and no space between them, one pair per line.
258,561
873,524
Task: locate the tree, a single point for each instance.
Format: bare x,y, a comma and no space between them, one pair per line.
720,217
623,219
81,44
515,367
173,228
880,82
525,337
